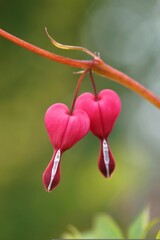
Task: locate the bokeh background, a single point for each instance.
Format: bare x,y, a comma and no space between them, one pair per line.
127,35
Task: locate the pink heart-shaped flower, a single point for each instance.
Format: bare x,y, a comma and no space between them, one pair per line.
103,111
64,131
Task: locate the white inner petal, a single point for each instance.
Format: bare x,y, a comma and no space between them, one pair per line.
106,156
54,168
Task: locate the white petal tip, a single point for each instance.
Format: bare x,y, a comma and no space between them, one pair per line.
106,156
54,168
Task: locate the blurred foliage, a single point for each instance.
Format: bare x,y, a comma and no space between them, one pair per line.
158,235
104,227
127,34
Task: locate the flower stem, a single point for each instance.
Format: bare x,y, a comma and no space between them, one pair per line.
44,53
93,83
98,66
117,76
77,90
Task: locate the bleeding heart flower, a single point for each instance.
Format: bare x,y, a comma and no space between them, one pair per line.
64,130
103,111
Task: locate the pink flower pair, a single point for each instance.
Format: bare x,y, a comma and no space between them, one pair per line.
95,113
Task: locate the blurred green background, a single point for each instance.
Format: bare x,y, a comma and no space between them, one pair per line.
127,35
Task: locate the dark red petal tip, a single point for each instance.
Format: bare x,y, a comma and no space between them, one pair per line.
51,176
106,161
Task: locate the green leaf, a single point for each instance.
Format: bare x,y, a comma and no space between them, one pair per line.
138,226
158,235
151,224
103,227
72,233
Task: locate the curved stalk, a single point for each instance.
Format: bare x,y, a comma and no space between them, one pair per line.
44,53
123,79
98,66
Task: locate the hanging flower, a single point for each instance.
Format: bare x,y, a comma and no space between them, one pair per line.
103,110
65,129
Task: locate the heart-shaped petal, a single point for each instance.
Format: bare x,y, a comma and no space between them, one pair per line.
102,110
64,129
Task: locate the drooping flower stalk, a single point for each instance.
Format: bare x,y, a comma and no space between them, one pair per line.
77,90
93,84
98,66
